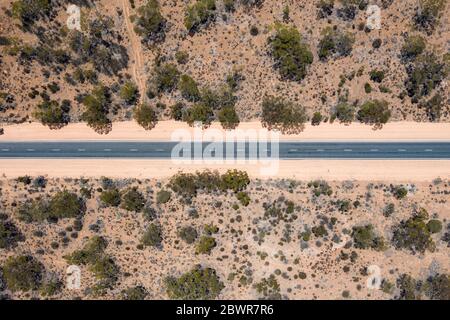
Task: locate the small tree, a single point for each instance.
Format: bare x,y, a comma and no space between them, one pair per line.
153,236
375,113
199,113
200,13
428,14
292,56
335,44
97,109
228,118
129,93
51,114
188,88
283,115
149,23
111,197
413,47
188,234
197,284
23,273
145,116
345,113
133,200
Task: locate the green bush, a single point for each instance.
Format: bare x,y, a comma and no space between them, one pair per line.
65,204
325,8
188,234
105,270
177,111
165,78
23,273
345,113
235,180
200,13
228,118
428,14
364,237
243,198
269,288
375,113
413,47
320,187
199,113
335,44
425,74
377,75
97,109
149,23
414,235
9,235
153,236
319,231
389,210
285,116
129,93
50,114
434,226
291,55
91,252
197,284
163,196
133,200
33,211
433,107
399,192
29,11
111,197
182,57
145,116
205,245
134,293
316,119
188,88
437,287
50,287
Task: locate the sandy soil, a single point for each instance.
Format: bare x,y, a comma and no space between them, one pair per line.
129,130
378,170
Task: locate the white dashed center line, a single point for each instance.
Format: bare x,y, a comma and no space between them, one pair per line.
5,150
81,150
107,150
320,150
348,150
374,150
30,150
134,150
428,150
56,150
401,150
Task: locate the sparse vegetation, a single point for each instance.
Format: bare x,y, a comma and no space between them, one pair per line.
285,116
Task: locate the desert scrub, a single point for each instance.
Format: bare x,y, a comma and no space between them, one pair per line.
163,196
133,200
413,234
199,113
228,118
335,44
413,47
165,79
374,112
90,253
399,192
129,93
292,56
50,113
424,75
377,75
243,198
283,115
188,234
345,113
153,236
197,284
100,264
199,14
97,105
320,187
428,14
149,23
134,293
189,89
325,8
268,288
9,235
145,116
205,245
62,205
111,197
364,237
23,273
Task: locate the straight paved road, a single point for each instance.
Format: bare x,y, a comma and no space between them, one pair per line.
287,150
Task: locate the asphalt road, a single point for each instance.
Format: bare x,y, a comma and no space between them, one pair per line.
287,150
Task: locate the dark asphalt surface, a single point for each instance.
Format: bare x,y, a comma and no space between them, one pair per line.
287,150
